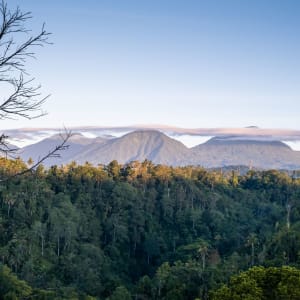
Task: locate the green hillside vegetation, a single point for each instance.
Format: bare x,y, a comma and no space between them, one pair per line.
145,231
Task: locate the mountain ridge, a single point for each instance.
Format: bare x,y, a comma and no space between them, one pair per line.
161,149
138,145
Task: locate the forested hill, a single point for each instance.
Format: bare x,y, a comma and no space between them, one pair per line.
145,231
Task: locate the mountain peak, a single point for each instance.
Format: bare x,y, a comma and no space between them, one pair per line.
138,145
237,148
252,127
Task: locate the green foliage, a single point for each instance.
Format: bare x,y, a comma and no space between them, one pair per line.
120,293
262,284
152,232
11,287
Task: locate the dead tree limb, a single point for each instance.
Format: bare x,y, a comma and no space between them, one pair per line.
19,95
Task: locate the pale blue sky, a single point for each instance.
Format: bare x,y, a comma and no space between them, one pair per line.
186,63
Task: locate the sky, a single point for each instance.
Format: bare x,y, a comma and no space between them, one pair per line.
191,64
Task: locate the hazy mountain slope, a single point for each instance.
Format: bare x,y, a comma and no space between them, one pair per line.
161,149
76,143
188,136
138,145
234,151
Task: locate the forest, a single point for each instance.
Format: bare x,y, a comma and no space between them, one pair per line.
145,231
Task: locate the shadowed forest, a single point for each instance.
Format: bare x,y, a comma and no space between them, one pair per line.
145,231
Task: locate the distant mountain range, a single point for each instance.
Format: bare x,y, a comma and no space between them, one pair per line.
260,154
260,151
189,136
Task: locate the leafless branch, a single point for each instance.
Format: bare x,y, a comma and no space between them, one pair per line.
14,54
22,101
53,153
4,147
23,98
16,46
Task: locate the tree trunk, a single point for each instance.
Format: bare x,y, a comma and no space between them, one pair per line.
42,237
58,246
252,254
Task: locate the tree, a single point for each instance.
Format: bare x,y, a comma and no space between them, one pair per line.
21,98
262,283
11,287
120,293
251,242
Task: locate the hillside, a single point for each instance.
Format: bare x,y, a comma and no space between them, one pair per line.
258,152
142,231
138,145
219,152
76,143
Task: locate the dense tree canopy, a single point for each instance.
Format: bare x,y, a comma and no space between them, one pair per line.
261,283
143,231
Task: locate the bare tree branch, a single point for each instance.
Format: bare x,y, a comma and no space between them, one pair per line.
23,98
53,153
22,101
4,147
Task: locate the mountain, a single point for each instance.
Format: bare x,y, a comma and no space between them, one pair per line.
25,136
231,150
138,145
224,151
76,143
